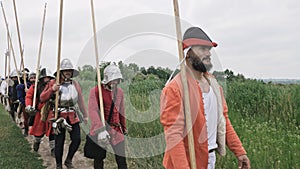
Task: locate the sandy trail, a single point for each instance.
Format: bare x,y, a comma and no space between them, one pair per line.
79,161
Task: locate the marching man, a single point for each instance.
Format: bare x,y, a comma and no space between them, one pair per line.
68,118
40,126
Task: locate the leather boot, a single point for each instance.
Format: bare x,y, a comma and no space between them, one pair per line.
68,164
36,146
58,166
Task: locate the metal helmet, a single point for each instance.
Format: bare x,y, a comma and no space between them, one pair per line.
32,74
111,72
25,71
45,72
14,73
66,64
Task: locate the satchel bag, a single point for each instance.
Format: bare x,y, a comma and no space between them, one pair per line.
91,148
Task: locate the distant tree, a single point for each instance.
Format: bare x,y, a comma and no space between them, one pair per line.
133,67
152,70
87,68
219,75
229,75
163,73
86,72
143,70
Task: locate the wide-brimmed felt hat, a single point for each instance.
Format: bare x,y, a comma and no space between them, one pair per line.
196,36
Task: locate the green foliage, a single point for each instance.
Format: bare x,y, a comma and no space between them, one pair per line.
15,149
266,101
139,91
265,116
268,144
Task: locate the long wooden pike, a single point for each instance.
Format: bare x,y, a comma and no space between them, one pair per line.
8,64
6,55
10,42
20,46
101,113
5,63
8,70
58,57
39,56
186,100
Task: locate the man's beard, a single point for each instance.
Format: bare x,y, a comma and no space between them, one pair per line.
198,64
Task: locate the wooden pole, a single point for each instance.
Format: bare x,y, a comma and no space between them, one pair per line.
5,63
186,100
39,57
10,42
6,56
97,65
8,65
20,46
58,57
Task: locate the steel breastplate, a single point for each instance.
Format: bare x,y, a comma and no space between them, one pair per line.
68,95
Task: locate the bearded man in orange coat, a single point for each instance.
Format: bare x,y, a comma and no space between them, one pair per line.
211,126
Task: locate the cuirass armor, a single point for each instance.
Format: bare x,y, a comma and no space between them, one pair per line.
68,95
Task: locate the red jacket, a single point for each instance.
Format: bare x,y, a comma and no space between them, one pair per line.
48,93
118,114
39,127
173,120
29,99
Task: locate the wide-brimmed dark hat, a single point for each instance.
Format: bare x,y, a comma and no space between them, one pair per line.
196,36
45,72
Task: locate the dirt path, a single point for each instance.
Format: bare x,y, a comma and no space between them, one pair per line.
79,161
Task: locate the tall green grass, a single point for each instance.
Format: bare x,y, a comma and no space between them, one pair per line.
265,116
268,144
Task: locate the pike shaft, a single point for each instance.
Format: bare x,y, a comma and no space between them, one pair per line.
39,56
97,65
58,57
20,45
10,42
186,100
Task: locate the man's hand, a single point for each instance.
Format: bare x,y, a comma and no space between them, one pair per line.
55,87
244,162
55,128
30,110
85,120
103,138
60,123
66,125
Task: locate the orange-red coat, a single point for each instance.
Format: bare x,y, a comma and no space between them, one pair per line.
173,120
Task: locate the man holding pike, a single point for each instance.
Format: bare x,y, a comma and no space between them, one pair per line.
211,127
70,94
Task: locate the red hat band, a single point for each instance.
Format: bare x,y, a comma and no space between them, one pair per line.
195,41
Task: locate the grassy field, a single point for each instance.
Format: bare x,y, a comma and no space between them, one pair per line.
268,144
15,151
265,116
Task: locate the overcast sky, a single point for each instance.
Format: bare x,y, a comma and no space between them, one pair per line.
257,38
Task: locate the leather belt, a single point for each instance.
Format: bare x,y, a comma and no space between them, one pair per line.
211,150
66,109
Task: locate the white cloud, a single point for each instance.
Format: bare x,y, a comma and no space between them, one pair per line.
262,34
